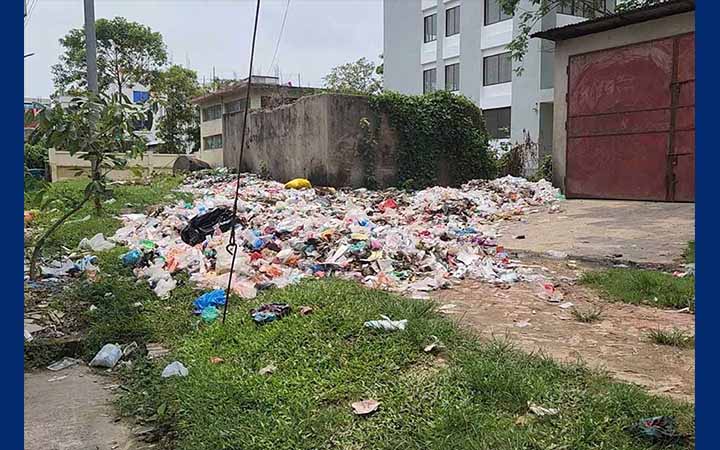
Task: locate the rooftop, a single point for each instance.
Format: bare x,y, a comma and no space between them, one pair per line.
262,82
612,21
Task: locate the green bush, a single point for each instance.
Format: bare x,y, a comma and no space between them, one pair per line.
35,156
437,127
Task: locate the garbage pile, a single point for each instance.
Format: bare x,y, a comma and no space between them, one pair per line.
409,242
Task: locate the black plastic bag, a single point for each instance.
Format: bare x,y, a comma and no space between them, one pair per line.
204,224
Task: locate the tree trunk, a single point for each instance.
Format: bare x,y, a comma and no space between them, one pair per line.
41,242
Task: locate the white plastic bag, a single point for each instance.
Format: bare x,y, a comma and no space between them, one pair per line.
387,324
175,368
108,356
97,243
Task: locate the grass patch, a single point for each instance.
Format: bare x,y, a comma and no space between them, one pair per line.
128,198
590,315
328,359
645,287
675,338
689,254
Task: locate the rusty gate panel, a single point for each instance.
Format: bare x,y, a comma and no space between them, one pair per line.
630,126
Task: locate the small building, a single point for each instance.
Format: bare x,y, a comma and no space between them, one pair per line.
266,92
624,116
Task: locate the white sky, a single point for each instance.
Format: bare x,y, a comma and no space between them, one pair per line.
319,35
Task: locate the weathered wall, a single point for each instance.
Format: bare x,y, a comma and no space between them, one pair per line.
317,137
631,34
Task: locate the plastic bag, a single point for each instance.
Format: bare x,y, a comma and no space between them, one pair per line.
175,368
108,356
209,314
97,243
204,224
132,257
387,324
298,183
212,298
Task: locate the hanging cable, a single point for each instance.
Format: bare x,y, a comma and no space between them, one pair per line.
232,244
282,28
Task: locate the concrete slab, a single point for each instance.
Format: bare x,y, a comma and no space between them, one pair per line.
70,410
643,232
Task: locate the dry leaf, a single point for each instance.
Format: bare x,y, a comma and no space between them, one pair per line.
216,360
365,407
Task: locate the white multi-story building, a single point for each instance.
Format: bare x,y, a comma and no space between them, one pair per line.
461,46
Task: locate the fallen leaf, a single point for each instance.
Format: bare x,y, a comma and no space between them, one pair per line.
365,407
216,360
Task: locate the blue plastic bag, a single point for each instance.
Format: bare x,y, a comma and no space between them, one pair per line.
212,298
132,257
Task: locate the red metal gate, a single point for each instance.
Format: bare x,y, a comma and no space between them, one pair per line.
631,122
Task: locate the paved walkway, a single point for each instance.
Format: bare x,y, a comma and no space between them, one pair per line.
642,232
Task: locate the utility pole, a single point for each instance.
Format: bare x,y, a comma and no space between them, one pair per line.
91,46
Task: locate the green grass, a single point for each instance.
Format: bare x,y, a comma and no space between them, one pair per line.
590,315
328,359
689,254
128,198
675,338
646,287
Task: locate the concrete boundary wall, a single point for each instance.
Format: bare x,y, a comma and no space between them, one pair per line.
63,166
318,137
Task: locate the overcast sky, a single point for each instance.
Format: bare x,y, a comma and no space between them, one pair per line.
200,34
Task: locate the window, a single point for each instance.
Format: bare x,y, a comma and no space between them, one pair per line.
429,81
497,122
494,13
497,69
587,8
212,113
212,142
234,106
452,77
452,21
140,96
430,28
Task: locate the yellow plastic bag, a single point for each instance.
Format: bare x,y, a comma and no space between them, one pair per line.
298,183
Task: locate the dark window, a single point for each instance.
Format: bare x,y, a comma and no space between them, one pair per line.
234,106
429,81
497,69
430,28
587,8
212,113
452,21
452,77
212,142
494,13
497,122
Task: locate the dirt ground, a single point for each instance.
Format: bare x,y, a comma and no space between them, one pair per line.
642,232
71,409
617,344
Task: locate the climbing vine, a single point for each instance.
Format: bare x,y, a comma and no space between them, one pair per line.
434,130
368,146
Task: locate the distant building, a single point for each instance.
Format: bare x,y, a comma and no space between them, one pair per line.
266,92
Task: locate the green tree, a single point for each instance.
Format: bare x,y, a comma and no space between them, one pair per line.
179,126
359,77
127,53
530,17
98,129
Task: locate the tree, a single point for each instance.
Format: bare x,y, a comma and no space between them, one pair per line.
98,129
179,126
359,77
127,53
530,17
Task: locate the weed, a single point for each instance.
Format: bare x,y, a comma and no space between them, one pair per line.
674,337
644,287
591,315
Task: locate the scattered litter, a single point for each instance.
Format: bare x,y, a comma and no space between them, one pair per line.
129,349
84,219
520,236
108,356
97,243
131,258
298,183
156,350
67,267
58,378
435,346
269,312
365,407
63,364
658,429
175,368
213,298
408,242
267,369
446,308
28,336
566,305
387,324
92,308
682,310
305,310
216,360
522,324
541,411
209,314
556,254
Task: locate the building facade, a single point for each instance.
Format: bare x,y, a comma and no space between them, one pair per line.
461,46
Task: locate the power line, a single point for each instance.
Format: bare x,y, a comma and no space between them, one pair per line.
30,11
282,28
